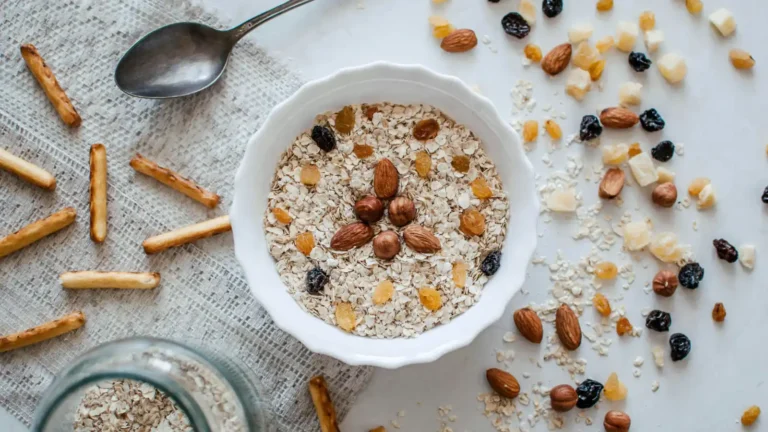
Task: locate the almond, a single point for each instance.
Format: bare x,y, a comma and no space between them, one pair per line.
421,239
612,184
529,324
563,398
503,382
567,327
459,41
618,118
351,236
557,60
386,180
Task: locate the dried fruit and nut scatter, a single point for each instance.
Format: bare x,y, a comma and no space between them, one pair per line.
385,184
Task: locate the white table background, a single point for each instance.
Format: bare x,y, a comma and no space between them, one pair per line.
718,112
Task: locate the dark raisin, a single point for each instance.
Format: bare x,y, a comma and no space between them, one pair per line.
493,1
552,8
639,61
681,346
725,250
690,275
316,280
590,128
651,120
658,320
324,138
663,151
765,195
491,263
515,25
589,393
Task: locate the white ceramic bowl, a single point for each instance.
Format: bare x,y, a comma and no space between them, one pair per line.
382,82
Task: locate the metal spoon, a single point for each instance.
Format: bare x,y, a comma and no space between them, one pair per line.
183,58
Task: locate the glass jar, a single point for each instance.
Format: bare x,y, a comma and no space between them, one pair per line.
215,394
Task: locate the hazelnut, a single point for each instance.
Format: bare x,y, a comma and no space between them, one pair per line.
369,209
665,283
665,195
386,245
401,211
563,398
616,421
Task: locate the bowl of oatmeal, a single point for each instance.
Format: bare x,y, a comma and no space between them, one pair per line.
385,215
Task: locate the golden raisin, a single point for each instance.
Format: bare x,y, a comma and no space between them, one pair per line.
596,70
750,415
370,111
634,150
605,44
553,129
530,131
440,32
305,242
426,129
345,120
718,312
362,151
281,215
459,274
614,389
345,317
430,298
310,175
437,21
601,304
606,270
480,188
532,52
694,6
697,185
741,59
383,292
472,222
623,326
604,5
647,21
423,164
460,163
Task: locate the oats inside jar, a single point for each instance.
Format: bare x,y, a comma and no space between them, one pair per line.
402,134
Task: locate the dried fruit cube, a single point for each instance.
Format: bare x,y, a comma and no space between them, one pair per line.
430,298
281,215
653,39
362,151
532,52
480,188
605,44
722,19
596,70
604,5
305,242
562,200
665,247
741,59
527,10
637,235
623,326
647,21
643,169
310,175
697,185
459,274
383,292
601,304
718,312
423,164
747,255
580,32
585,55
437,21
615,154
614,389
627,35
634,150
460,163
553,129
578,84
345,316
472,222
658,355
530,131
629,93
440,32
345,120
606,270
694,6
750,415
672,68
665,175
707,198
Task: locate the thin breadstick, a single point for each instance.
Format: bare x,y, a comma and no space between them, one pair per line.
186,234
27,171
42,332
175,181
118,280
98,191
326,414
50,85
36,230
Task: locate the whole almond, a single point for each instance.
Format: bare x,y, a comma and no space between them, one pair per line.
528,324
557,60
618,118
459,41
664,195
567,327
616,421
563,398
665,283
612,184
351,236
386,179
421,239
503,383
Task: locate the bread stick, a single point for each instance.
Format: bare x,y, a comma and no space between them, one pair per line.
36,230
118,280
174,181
26,171
50,85
326,413
98,192
186,234
42,332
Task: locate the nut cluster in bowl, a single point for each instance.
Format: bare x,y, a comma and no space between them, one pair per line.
386,220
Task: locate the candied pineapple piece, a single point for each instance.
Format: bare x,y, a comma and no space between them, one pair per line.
697,185
647,21
562,200
585,55
615,154
665,247
605,44
614,389
637,235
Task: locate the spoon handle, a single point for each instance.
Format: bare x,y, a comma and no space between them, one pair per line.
243,29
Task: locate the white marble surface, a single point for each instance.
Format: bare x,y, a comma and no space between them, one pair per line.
718,113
